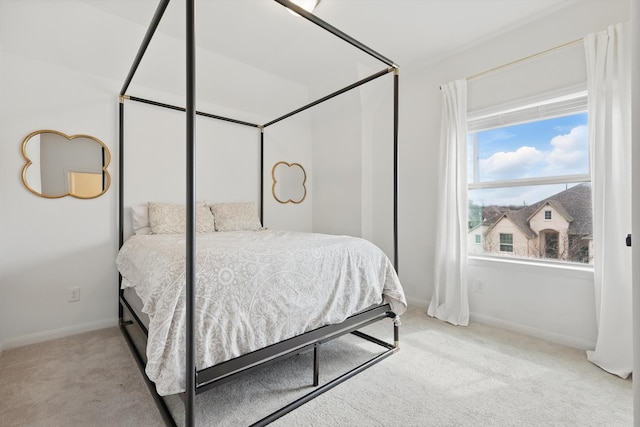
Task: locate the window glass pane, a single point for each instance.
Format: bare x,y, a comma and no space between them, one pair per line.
550,147
506,242
540,221
506,238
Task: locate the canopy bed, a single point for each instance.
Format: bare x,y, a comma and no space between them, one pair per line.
196,307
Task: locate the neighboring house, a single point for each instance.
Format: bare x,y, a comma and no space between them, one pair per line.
475,239
481,219
559,227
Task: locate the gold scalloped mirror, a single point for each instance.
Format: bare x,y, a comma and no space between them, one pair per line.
289,182
59,165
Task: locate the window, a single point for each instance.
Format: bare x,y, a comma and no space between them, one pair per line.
506,242
529,180
478,239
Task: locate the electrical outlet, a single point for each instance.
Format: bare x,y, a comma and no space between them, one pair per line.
480,286
74,294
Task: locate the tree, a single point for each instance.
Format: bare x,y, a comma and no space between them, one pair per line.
475,214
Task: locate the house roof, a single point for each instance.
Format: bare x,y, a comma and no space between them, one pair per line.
573,203
491,214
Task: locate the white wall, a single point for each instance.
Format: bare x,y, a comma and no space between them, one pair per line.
227,161
52,77
49,245
337,180
377,162
541,302
289,141
65,74
2,199
228,156
353,163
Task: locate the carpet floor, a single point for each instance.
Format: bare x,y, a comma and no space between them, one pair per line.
442,376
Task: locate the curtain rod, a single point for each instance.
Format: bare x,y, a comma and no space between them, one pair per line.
526,58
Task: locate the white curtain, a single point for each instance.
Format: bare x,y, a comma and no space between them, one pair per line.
609,86
450,301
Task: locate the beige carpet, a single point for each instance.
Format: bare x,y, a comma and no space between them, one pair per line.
443,376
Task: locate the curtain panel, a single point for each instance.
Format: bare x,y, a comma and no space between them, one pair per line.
449,301
609,87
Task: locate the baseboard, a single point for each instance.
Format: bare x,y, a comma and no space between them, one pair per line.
569,341
534,332
417,302
107,323
57,333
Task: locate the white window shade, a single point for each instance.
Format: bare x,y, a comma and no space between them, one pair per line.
527,112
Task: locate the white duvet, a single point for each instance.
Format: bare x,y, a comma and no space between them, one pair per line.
253,289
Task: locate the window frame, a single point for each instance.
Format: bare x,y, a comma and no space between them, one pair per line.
506,244
543,108
568,101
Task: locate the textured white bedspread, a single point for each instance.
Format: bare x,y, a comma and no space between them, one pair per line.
253,289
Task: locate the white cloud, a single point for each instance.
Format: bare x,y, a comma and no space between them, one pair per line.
512,164
570,152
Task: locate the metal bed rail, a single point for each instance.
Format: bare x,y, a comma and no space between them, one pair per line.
232,369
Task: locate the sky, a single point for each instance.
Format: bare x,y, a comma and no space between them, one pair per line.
552,147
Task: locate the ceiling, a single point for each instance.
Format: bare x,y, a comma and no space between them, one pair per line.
406,31
249,35
410,31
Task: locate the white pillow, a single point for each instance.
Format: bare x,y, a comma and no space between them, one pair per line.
140,219
236,216
170,218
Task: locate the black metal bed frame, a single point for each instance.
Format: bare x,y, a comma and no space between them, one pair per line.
200,380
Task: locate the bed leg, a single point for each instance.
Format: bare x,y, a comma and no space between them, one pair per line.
316,365
396,332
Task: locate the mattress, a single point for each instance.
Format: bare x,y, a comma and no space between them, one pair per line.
253,289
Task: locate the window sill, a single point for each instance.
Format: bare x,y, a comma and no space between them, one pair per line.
537,266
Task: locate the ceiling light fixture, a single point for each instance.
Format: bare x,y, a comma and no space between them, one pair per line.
308,5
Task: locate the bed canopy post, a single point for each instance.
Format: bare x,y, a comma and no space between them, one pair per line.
120,195
396,79
190,392
162,6
328,27
261,175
